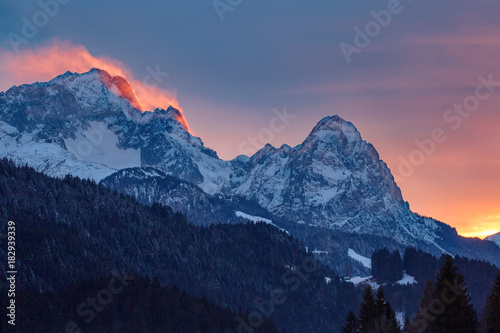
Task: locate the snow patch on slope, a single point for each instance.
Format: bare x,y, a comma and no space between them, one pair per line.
98,144
253,218
407,279
46,157
367,262
358,280
256,219
401,317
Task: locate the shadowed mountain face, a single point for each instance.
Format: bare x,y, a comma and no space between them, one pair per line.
89,125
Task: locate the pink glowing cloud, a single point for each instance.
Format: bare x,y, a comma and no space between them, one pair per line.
57,57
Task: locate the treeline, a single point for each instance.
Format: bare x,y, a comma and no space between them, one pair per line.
479,274
71,229
375,315
388,268
445,306
121,303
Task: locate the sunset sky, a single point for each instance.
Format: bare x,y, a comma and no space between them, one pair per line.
229,68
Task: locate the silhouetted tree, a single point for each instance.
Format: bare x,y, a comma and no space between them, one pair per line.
446,304
386,321
351,324
368,311
492,310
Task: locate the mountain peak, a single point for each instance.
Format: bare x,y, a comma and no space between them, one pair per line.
116,84
119,86
333,128
170,112
335,123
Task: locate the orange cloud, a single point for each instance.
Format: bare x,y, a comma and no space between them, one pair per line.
57,57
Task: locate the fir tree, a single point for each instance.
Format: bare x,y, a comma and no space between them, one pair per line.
421,320
368,312
492,310
351,324
386,321
446,305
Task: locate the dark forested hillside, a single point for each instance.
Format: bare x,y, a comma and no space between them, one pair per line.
138,305
69,229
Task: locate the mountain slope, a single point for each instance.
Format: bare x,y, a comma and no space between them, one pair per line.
494,238
150,185
87,125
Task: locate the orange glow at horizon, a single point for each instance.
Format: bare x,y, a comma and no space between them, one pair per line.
482,234
57,57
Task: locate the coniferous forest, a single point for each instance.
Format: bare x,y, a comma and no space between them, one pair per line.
445,306
137,304
77,235
71,229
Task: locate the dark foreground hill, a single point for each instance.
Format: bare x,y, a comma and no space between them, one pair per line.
133,305
70,229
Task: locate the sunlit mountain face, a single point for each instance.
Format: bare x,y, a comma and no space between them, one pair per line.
46,62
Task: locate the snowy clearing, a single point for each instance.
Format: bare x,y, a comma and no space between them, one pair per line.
407,279
367,262
256,219
369,280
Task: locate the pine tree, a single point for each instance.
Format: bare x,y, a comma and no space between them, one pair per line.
386,321
446,305
351,324
421,321
492,310
368,312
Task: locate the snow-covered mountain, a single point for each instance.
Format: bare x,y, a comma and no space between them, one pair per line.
91,125
494,238
334,179
87,125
